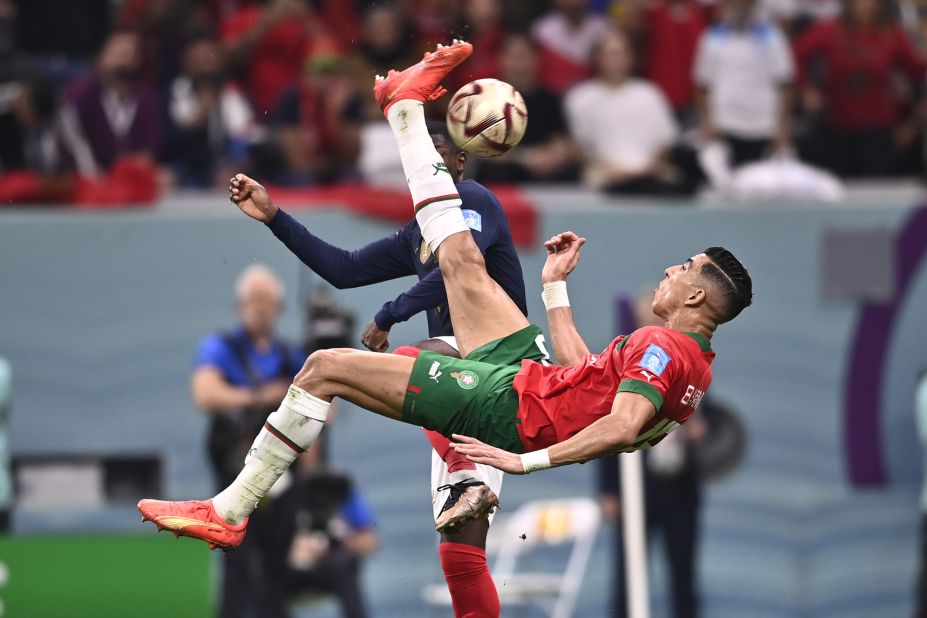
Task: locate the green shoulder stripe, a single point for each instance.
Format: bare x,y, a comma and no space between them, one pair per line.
642,388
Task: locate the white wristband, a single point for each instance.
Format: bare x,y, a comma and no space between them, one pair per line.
535,460
555,295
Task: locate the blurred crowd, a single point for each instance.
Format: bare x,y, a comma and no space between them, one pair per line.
621,94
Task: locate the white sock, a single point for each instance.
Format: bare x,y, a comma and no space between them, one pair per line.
287,433
437,203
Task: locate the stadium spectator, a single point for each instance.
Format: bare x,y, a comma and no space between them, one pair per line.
668,32
860,74
546,152
743,71
266,43
920,417
60,39
35,134
567,37
317,123
323,529
164,27
117,114
238,377
672,498
384,45
481,24
624,126
211,120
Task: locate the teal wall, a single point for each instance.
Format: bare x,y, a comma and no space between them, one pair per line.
100,314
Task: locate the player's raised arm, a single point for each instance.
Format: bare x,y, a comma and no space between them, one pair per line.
379,261
562,258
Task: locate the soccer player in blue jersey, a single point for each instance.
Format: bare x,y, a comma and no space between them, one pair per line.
462,492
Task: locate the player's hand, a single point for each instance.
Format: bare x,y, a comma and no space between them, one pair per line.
479,452
562,256
251,198
375,339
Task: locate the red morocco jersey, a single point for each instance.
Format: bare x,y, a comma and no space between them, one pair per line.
670,368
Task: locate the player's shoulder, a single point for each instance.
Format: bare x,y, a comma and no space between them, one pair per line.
476,196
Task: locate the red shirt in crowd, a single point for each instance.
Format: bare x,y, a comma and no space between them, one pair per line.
276,62
670,368
672,33
858,66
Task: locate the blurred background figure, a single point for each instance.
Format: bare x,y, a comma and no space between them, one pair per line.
211,120
117,114
666,34
743,71
265,42
61,39
164,28
240,376
674,471
480,24
545,153
6,477
623,126
37,138
861,82
317,123
568,36
920,418
322,531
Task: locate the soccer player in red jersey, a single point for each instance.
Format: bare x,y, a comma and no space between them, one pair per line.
516,418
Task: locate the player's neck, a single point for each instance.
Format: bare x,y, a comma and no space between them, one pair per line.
691,323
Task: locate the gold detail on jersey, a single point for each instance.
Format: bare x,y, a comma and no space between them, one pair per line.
424,252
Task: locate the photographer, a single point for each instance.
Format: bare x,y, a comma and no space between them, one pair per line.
239,378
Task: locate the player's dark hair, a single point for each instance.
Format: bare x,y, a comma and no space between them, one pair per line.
727,273
436,127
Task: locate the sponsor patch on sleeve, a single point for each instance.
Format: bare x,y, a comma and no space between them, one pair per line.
473,219
655,360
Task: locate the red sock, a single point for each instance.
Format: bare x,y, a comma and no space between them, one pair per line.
454,460
472,590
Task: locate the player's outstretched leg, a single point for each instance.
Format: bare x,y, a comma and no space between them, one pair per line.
481,311
373,381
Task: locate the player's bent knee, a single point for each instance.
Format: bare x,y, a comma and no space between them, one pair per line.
319,370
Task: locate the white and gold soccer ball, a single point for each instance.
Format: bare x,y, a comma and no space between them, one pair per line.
487,117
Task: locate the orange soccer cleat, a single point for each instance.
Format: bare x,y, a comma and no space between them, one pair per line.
193,518
421,81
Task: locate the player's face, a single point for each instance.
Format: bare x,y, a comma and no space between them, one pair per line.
455,160
258,308
677,285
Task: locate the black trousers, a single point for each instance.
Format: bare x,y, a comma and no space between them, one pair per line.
745,150
338,574
852,154
674,515
250,587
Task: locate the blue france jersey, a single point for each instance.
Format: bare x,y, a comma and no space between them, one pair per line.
405,253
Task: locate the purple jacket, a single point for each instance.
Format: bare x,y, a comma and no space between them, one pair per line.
145,129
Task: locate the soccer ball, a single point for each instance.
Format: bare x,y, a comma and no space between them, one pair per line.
487,117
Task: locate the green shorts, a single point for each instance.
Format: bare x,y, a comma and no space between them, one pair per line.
473,396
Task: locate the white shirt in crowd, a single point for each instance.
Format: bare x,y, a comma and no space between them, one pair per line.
557,34
625,126
742,70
